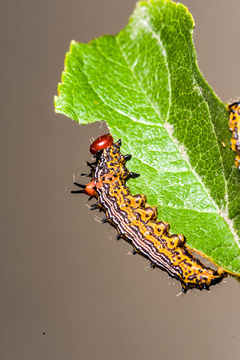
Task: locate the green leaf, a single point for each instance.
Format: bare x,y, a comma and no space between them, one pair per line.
145,83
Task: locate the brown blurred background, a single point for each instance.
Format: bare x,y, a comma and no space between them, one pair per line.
68,289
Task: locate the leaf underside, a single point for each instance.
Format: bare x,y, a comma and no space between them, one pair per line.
145,83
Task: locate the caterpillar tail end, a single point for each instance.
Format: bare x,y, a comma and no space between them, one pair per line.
217,277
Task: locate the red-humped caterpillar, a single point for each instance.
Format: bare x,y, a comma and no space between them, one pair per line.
137,222
234,126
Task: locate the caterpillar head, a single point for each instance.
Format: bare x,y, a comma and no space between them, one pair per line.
102,142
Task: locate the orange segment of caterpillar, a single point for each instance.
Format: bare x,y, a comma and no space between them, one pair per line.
234,127
137,222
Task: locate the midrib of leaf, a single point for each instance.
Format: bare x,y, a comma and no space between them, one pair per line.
166,125
184,156
155,35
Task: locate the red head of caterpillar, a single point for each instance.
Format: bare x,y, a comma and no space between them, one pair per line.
101,143
234,127
136,221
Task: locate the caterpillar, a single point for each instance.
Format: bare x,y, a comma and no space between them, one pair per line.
136,221
234,127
